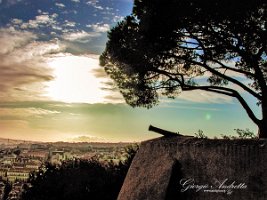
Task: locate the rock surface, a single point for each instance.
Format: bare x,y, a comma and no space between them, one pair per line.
164,168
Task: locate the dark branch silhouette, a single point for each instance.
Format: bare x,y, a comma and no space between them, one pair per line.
166,47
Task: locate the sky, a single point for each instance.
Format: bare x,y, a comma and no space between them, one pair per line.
53,89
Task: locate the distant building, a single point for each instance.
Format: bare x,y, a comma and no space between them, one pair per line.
38,147
3,172
40,154
9,159
18,175
18,165
24,146
56,157
34,165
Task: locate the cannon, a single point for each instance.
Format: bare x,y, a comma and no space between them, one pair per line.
163,132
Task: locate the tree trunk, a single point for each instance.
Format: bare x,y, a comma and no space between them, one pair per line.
262,129
263,123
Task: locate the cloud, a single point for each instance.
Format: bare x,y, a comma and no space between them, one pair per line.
70,23
100,28
11,39
117,18
80,36
23,64
230,73
204,97
59,121
18,113
39,21
191,96
11,2
60,5
115,98
76,1
99,72
99,7
23,130
94,3
16,21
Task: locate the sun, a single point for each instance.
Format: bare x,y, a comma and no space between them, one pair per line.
74,80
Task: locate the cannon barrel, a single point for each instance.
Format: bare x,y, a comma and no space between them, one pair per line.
163,132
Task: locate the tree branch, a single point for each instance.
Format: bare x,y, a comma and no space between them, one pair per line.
250,59
212,70
206,66
234,69
228,92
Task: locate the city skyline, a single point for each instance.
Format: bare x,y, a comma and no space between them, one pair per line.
53,89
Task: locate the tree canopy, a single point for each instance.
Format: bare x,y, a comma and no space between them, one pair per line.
166,47
79,179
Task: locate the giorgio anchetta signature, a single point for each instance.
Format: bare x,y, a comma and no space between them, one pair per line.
218,186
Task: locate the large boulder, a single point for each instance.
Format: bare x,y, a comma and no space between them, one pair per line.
190,168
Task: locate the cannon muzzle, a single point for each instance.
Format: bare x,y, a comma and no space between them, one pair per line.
162,131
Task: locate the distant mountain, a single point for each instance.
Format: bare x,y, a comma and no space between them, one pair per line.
13,141
73,142
88,139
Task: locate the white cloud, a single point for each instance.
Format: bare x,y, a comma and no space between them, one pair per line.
16,21
25,112
230,73
94,3
60,5
70,23
54,15
99,7
100,28
56,27
40,20
12,2
204,97
11,39
109,8
80,36
117,18
43,19
76,1
23,64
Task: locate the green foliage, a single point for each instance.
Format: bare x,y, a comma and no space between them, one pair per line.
200,134
79,180
241,134
163,47
131,151
245,134
227,137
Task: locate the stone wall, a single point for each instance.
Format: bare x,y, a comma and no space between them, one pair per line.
181,168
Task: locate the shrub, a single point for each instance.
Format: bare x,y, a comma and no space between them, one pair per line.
79,180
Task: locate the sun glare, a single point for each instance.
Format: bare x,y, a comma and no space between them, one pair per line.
74,80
